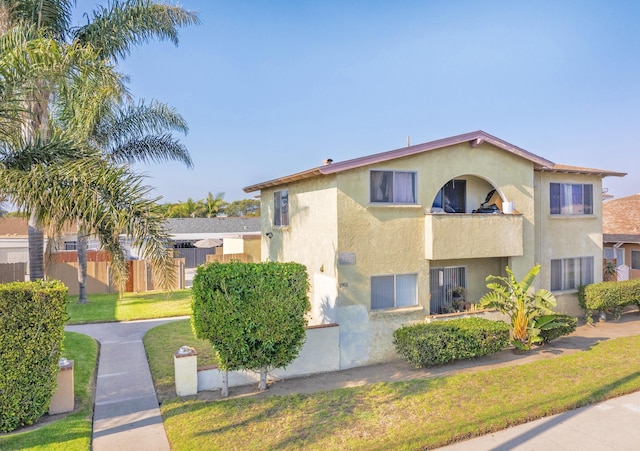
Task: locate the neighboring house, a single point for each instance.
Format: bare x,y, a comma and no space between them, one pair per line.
232,232
389,238
14,241
621,234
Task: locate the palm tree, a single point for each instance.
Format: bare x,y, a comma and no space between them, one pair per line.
110,197
211,206
110,34
125,134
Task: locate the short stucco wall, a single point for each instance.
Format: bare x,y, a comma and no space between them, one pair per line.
568,304
319,354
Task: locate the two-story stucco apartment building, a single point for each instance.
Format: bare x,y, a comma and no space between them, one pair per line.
387,238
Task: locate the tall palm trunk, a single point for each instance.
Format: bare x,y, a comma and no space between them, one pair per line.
82,263
36,121
36,249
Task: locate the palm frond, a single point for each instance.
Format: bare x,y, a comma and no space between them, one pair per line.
114,30
151,148
52,17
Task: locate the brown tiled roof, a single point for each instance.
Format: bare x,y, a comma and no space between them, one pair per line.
621,219
473,138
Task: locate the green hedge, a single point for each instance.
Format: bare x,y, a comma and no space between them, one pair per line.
445,341
611,297
562,325
32,316
254,314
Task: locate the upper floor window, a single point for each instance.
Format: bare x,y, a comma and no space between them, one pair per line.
400,290
571,199
452,197
570,273
281,208
398,187
70,245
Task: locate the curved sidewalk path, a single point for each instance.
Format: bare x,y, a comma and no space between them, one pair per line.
126,414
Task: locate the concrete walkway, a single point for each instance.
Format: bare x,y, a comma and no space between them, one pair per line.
610,425
126,414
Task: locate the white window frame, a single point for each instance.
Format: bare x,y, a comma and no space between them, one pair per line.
378,194
563,203
396,287
574,272
281,208
611,252
632,254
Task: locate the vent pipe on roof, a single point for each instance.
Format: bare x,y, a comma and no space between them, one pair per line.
327,162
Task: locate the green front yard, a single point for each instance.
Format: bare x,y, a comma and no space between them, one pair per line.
107,307
406,415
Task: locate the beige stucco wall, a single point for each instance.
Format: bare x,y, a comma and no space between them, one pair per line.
567,236
342,251
390,239
310,239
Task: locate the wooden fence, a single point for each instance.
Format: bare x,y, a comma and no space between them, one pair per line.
12,272
100,279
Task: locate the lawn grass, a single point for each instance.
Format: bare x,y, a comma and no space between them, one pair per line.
161,342
71,432
408,415
107,307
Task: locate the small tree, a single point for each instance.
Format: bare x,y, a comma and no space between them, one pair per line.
252,313
527,310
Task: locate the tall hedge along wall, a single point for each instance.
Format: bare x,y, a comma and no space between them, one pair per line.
253,313
610,296
32,316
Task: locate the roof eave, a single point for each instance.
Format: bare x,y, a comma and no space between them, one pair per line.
583,171
283,180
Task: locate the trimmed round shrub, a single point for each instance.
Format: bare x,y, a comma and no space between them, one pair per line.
428,344
252,313
32,316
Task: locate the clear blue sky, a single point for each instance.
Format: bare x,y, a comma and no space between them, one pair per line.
271,88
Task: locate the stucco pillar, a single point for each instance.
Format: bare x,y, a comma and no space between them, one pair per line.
63,398
185,362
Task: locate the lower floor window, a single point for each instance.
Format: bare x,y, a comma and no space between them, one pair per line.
399,290
570,273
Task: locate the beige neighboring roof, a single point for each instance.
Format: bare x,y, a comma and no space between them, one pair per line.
473,138
621,219
566,169
13,227
16,227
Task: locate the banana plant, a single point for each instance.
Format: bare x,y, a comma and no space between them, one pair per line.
523,306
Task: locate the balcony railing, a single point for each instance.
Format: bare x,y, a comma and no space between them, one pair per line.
452,236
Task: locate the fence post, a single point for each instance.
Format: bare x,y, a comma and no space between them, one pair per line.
185,363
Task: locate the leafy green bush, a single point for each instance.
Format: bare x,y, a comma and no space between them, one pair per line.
445,341
557,326
252,313
611,297
32,316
